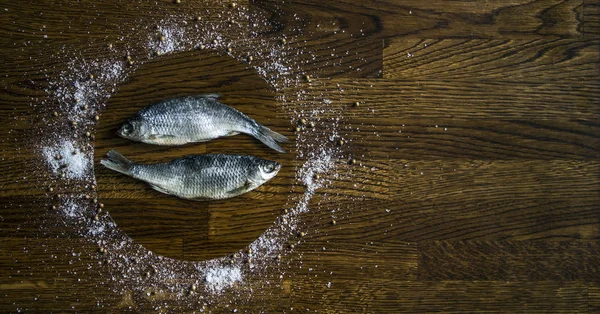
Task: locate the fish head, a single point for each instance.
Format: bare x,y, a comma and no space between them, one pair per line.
133,129
267,169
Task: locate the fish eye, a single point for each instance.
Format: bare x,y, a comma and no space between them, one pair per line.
269,167
127,128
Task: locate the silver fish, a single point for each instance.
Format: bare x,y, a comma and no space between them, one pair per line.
199,176
189,119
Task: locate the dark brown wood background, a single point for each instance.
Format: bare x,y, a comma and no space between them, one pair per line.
488,200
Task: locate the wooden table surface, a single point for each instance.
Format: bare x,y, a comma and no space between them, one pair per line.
474,127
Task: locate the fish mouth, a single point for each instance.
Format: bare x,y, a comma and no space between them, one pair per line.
120,132
125,131
276,167
270,169
125,136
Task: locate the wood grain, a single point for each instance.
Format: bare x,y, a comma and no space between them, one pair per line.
441,296
466,201
594,297
572,60
511,260
175,218
232,226
64,285
591,14
47,17
437,19
476,138
368,259
432,220
433,139
475,99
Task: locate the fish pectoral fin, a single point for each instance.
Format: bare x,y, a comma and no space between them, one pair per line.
232,133
243,189
160,136
160,189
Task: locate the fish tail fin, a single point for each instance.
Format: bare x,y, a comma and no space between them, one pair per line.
271,138
117,162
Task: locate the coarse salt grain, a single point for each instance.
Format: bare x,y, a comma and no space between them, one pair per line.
74,166
172,39
219,278
71,208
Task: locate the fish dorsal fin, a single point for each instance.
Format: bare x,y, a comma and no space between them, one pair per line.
211,96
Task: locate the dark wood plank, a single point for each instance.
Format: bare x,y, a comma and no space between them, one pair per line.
419,139
231,226
391,296
420,120
593,297
65,217
470,198
13,210
474,199
591,18
47,285
67,270
360,182
432,19
47,17
463,200
140,218
193,72
471,180
408,98
509,180
43,290
481,218
571,60
371,260
509,260
335,54
79,258
483,139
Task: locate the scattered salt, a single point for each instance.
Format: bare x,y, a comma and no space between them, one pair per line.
65,158
83,90
72,209
219,278
171,37
77,93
